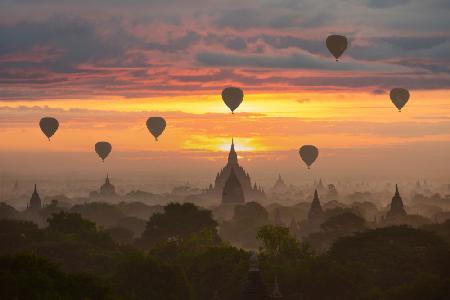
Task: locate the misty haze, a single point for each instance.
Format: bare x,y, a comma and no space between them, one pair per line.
232,150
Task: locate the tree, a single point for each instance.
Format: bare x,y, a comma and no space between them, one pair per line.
16,236
177,222
142,277
251,211
27,276
7,211
277,242
71,223
345,222
242,229
103,214
121,235
394,255
424,286
218,270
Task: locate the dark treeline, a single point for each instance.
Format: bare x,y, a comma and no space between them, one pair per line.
181,253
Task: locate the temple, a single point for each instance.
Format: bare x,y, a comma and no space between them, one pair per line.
254,193
35,203
232,191
315,218
315,210
280,186
254,288
397,209
106,190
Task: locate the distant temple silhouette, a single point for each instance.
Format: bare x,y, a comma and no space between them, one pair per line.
254,288
397,209
232,191
319,185
106,190
280,186
315,218
35,203
315,210
250,193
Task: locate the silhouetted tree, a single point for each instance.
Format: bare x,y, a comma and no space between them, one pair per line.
25,277
141,277
177,222
277,242
395,255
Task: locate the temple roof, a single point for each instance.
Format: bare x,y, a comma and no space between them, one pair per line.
315,209
397,207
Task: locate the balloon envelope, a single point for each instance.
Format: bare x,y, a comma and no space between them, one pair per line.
309,154
103,149
233,97
336,44
399,97
49,126
156,126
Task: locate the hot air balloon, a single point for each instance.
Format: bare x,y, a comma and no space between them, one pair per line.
103,149
399,97
336,44
309,154
156,126
233,97
49,126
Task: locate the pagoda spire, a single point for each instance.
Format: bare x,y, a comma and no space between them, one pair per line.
315,210
397,208
232,156
276,294
35,202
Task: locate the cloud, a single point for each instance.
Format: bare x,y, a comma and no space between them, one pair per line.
387,3
297,60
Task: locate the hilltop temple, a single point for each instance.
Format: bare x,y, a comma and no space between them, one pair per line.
254,193
35,203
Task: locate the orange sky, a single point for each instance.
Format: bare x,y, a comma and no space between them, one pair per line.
264,122
102,68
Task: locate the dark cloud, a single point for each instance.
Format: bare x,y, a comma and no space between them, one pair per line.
298,60
236,44
378,92
386,3
70,42
413,42
255,18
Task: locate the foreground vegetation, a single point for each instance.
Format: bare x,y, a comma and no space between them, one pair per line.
181,256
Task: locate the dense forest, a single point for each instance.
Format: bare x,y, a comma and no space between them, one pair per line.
181,255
